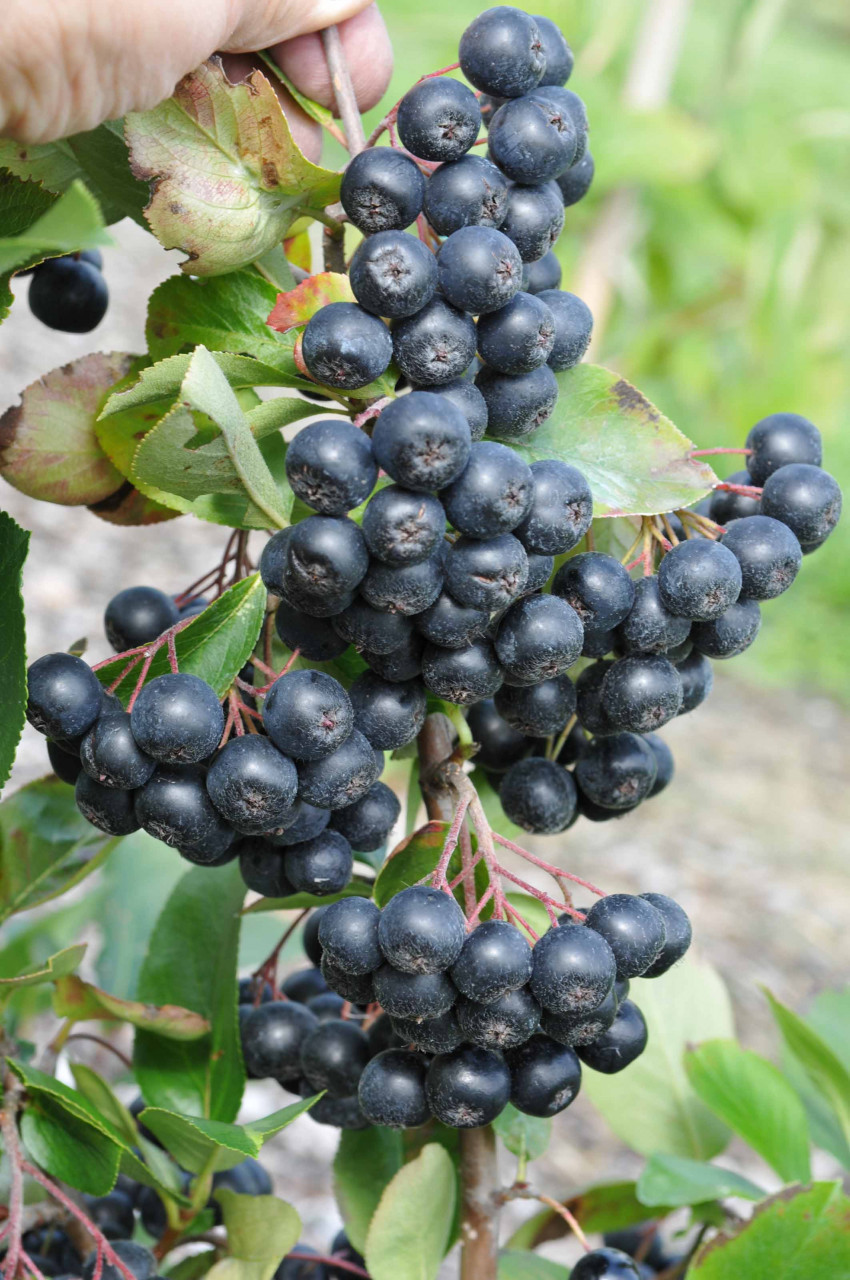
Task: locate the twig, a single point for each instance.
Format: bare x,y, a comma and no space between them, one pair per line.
344,95
104,1044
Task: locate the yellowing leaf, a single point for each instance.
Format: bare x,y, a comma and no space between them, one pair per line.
81,1001
301,303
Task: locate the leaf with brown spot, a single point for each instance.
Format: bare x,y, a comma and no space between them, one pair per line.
81,1001
301,303
228,180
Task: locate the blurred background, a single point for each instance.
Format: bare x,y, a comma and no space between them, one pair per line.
714,251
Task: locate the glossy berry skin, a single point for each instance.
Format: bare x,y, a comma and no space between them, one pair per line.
345,346
439,119
307,714
373,630
501,52
479,269
641,692
310,935
314,637
367,823
107,808
434,346
68,294
534,219
605,1264
538,710
573,969
633,929
465,396
272,1035
64,696
616,771
538,638
389,714
768,553
726,506
330,466
450,625
341,778
699,579
109,753
471,192
252,784
307,823
597,587
678,933
177,719
539,572
618,1047
262,869
304,984
413,995
422,441
581,1028
421,930
138,615
404,663
569,104
561,510
545,1076
468,1088
65,764
326,555
382,190
556,51
486,574
697,680
358,988
333,1057
538,795
504,1023
805,498
406,588
337,1113
518,337
492,494
780,439
348,935
432,1035
320,866
545,273
731,633
393,274
392,1090
573,327
499,744
575,182
664,763
495,960
589,699
174,807
649,626
517,404
403,527
136,1258
531,139
112,1214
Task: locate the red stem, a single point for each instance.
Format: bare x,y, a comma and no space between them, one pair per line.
546,866
748,490
57,1193
708,453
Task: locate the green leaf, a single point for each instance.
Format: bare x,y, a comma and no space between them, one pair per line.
314,110
200,1145
824,1068
516,1264
298,305
64,962
411,1228
105,162
14,543
100,1095
82,1002
192,962
356,888
160,383
366,1161
42,1086
21,204
69,1148
46,845
635,460
829,1017
260,1231
215,645
651,1105
136,882
796,1235
527,1137
52,165
415,858
71,223
229,181
607,1206
675,1180
756,1101
192,1267
48,445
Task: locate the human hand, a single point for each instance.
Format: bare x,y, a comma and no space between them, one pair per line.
68,65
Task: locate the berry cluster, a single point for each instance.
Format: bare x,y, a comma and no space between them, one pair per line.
70,293
410,1015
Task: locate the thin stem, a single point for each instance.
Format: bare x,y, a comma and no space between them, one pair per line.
570,1218
668,529
545,866
58,1194
233,713
439,874
267,971
104,1044
633,548
12,1147
134,662
467,861
344,95
560,742
708,453
747,490
392,115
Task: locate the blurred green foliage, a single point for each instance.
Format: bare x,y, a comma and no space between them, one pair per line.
732,301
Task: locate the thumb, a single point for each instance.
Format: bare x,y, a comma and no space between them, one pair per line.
259,25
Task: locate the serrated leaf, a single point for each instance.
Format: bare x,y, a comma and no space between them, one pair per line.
229,179
756,1101
56,966
71,223
69,1148
411,1227
315,110
46,845
301,303
415,857
200,1145
260,1231
192,962
14,543
635,460
160,383
675,1180
527,1137
651,1105
823,1067
105,163
21,204
795,1235
48,445
100,1095
215,645
366,1162
82,1001
52,165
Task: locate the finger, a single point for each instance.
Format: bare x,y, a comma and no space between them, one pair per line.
368,52
307,134
260,23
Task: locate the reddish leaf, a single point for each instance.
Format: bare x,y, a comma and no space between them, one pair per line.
298,305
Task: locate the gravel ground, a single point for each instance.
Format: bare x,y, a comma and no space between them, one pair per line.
752,837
